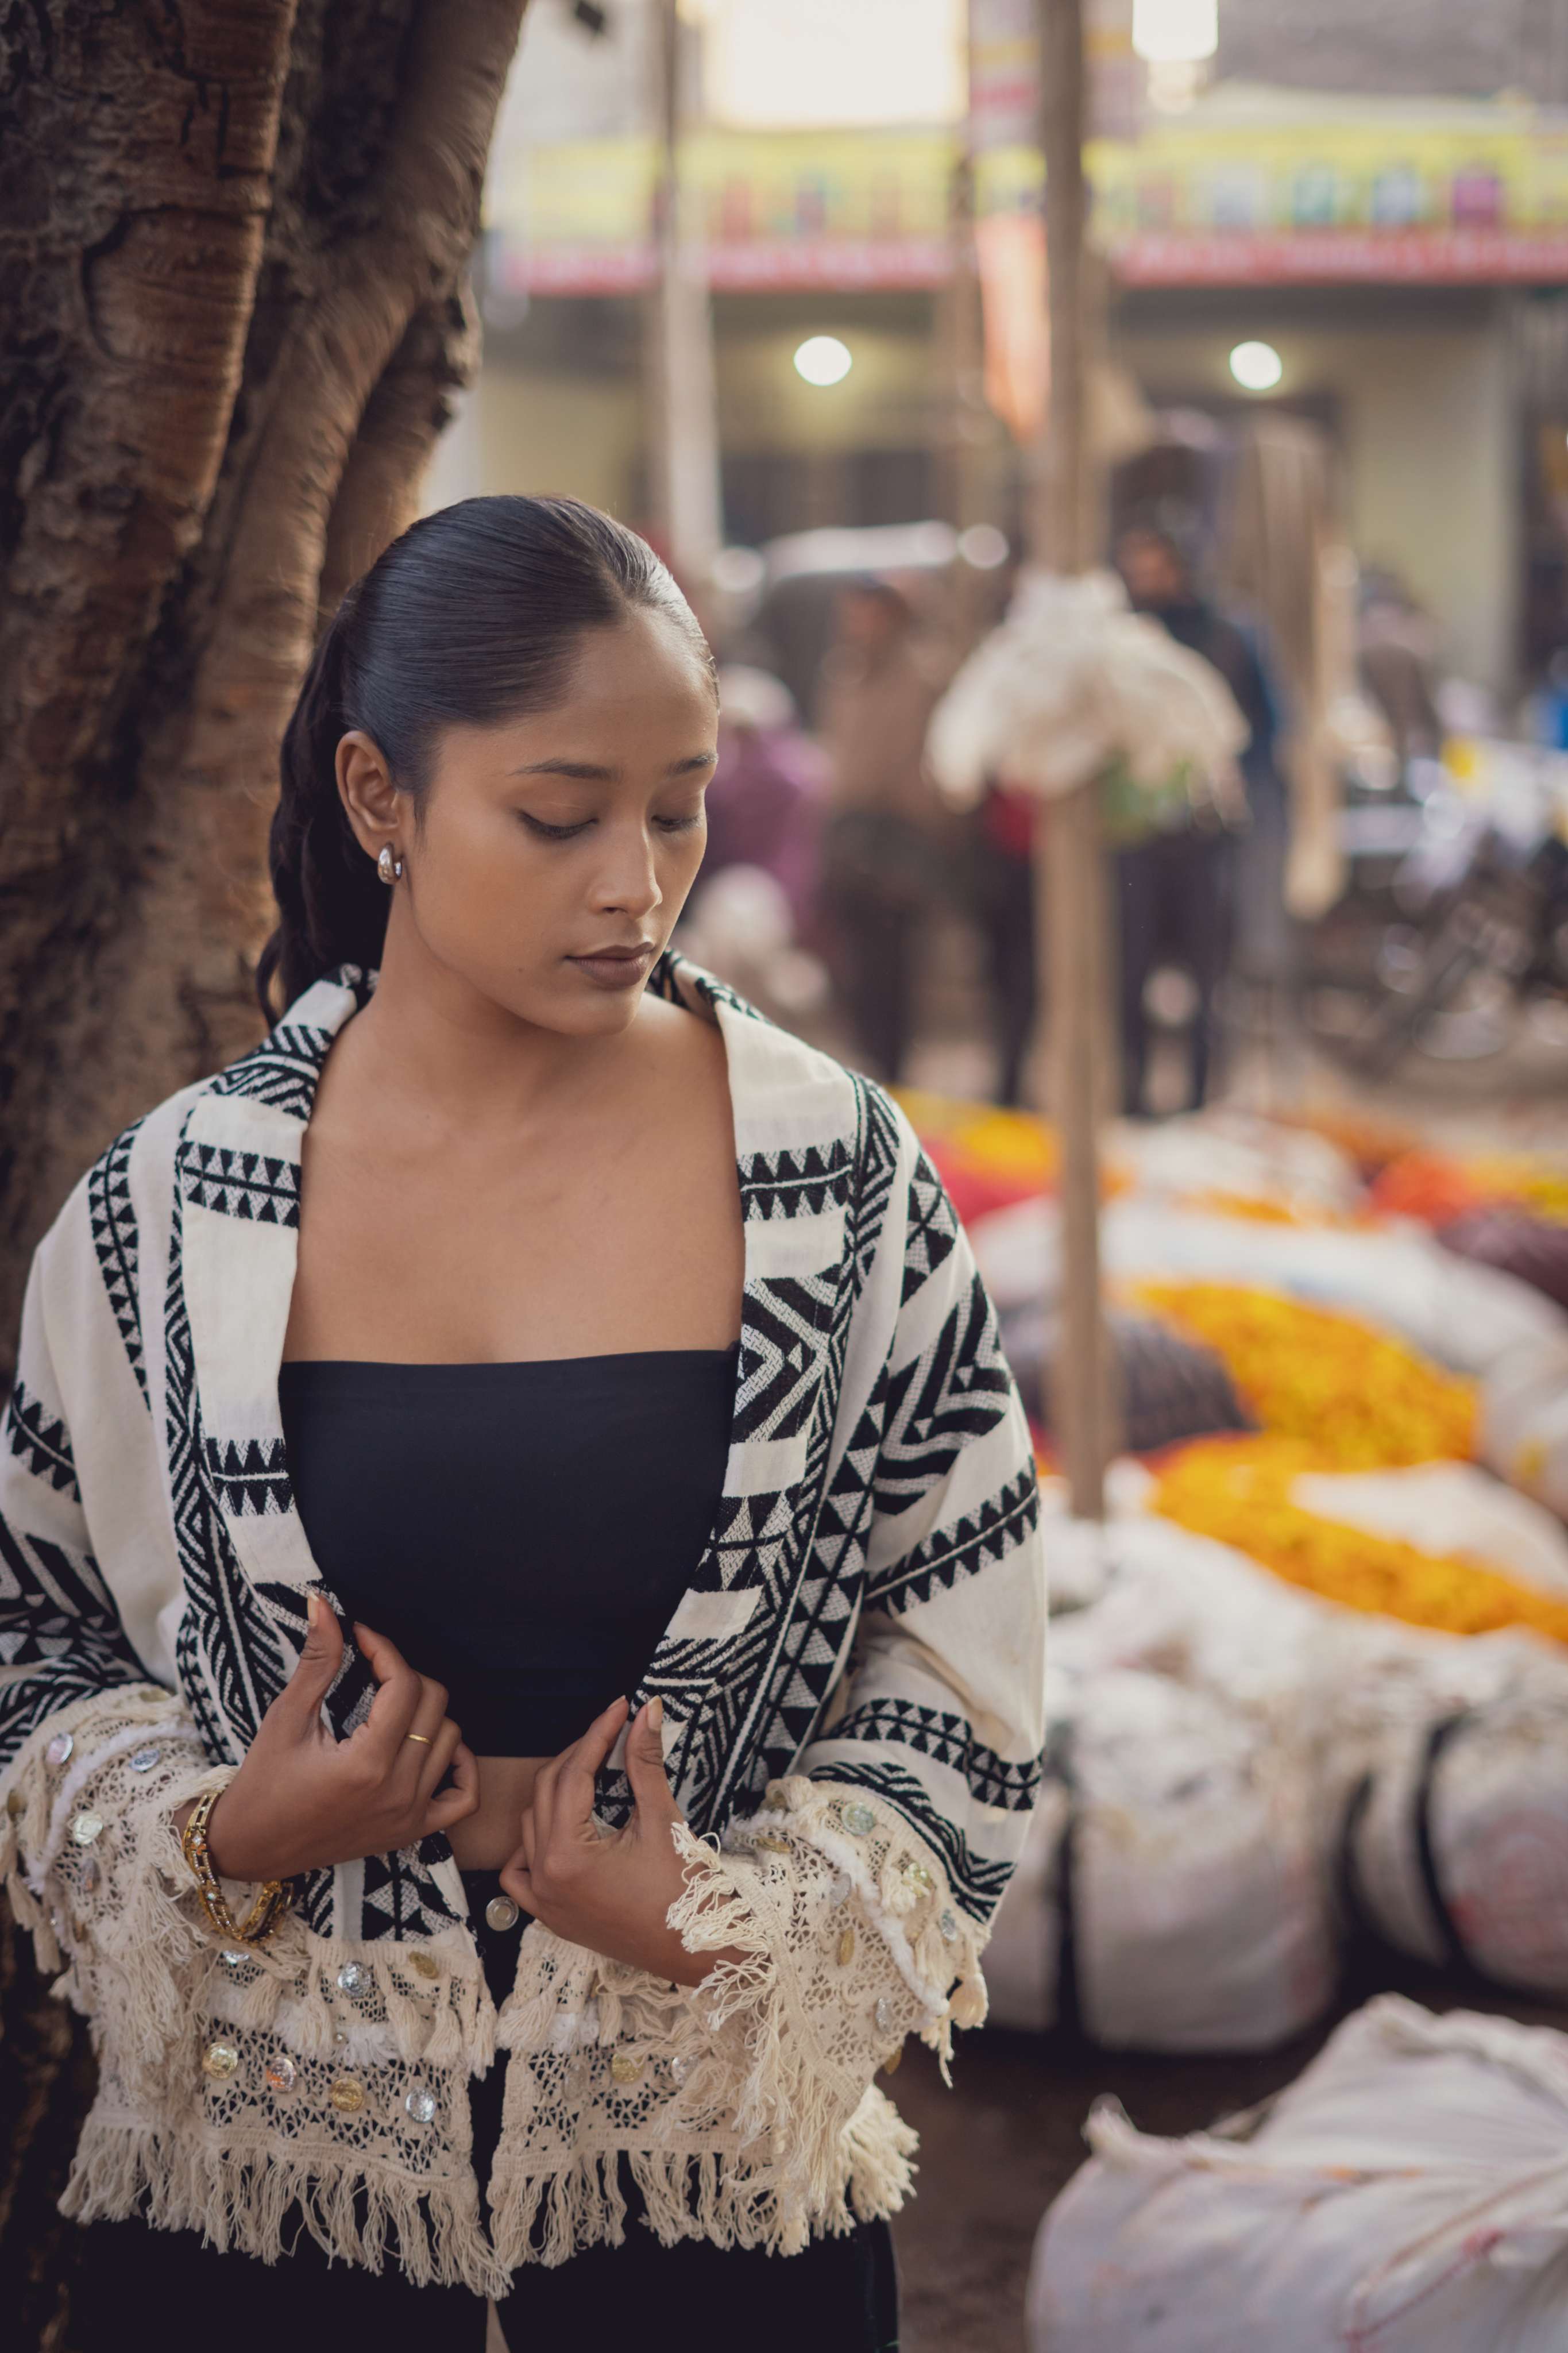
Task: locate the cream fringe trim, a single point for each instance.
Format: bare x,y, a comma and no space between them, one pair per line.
926,1961
712,2195
239,2198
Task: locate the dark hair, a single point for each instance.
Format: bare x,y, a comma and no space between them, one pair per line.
470,618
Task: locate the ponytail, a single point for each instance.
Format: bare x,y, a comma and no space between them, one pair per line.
470,618
331,906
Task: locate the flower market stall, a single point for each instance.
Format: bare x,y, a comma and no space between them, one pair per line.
1313,1670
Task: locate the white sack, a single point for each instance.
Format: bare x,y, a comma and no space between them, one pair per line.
1524,1418
1072,681
1408,2194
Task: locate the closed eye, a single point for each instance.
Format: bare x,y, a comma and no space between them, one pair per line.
554,832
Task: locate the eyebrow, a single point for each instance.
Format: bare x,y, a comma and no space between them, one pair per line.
586,772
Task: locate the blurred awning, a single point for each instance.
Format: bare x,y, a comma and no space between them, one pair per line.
1250,188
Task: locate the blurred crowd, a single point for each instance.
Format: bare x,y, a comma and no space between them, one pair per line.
834,861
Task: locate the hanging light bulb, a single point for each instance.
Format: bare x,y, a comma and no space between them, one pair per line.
1175,32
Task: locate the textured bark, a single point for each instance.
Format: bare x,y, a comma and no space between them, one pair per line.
233,246
233,263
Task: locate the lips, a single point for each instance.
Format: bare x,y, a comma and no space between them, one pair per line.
614,967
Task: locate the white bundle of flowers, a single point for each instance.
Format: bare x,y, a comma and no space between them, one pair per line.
1074,683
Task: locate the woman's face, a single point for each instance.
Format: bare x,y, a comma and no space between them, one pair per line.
552,853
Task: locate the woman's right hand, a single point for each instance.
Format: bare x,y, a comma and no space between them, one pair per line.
303,1800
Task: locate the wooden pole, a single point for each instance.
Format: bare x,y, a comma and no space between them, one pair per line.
964,412
1068,867
684,484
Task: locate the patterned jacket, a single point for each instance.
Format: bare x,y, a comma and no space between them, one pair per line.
853,1689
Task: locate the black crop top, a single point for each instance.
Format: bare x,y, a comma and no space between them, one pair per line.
522,1532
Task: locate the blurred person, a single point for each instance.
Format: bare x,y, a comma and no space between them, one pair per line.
767,797
1396,654
1180,890
376,1510
882,856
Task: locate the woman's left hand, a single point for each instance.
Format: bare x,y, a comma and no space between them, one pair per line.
607,1890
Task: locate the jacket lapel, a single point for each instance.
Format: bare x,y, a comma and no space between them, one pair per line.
238,1173
795,1117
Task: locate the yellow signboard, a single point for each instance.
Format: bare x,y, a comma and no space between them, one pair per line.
1472,191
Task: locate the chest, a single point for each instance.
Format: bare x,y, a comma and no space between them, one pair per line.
583,1243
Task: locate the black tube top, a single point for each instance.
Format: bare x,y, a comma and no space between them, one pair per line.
522,1532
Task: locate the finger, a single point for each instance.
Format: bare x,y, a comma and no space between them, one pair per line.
316,1669
651,1792
455,1804
435,1760
542,1796
577,1766
518,1885
417,1741
393,1710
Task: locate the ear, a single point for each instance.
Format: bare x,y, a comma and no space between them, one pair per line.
367,792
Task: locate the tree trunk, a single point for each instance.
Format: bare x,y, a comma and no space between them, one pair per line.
233,282
235,268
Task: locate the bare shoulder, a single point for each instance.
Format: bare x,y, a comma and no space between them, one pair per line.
681,1044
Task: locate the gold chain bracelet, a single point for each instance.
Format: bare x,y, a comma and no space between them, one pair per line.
270,1903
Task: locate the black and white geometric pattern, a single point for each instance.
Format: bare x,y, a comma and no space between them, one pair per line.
240,1184
994,1780
856,1277
113,1219
41,1441
249,1478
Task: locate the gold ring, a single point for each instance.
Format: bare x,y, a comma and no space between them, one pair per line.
422,1737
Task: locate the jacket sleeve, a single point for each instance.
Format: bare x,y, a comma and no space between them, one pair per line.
871,1875
94,1755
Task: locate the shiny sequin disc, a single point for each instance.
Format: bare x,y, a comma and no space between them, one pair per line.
347,2095
860,1819
501,1911
143,1759
60,1748
425,1963
86,1828
948,1923
354,1980
420,2103
280,2072
626,2066
219,2060
846,1947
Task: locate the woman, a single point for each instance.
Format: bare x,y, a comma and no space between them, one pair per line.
528,1339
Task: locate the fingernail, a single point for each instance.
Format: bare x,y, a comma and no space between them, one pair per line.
655,1714
312,1609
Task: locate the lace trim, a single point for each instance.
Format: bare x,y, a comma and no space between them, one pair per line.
333,2074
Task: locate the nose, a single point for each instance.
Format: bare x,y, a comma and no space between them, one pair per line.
626,882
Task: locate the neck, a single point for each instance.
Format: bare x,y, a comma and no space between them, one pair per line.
431,1040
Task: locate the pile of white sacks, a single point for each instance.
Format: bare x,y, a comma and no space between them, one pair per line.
1236,1767
1408,2194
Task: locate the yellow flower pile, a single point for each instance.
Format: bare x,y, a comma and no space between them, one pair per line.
1535,1184
1003,1143
1361,1400
1239,1491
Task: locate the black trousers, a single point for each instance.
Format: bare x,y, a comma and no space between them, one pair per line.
840,2296
1175,906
